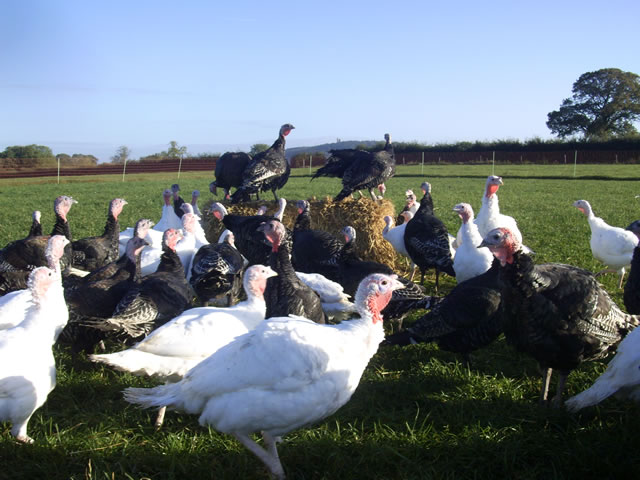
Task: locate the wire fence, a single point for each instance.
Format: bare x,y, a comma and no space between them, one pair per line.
193,164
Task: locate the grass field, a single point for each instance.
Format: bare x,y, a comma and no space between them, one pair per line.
418,412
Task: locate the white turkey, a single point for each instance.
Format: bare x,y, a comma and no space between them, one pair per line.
621,378
169,219
25,385
613,246
395,235
14,305
489,216
285,374
174,348
469,261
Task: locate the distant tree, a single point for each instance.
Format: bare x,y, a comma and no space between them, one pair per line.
76,160
605,103
28,156
122,155
175,151
257,148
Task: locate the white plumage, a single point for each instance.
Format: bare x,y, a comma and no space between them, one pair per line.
489,216
25,385
395,235
469,261
613,246
286,373
14,305
171,350
169,219
621,378
335,303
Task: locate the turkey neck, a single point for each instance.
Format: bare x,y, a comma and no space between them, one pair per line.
61,227
303,222
491,204
281,262
520,275
279,144
111,228
170,262
426,205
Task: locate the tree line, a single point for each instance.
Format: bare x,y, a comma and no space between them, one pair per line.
599,115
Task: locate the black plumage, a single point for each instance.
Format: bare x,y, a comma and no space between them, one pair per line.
286,294
229,169
178,201
360,169
248,240
352,269
217,270
36,226
97,295
314,251
92,253
559,314
156,299
30,252
631,295
466,319
268,170
427,240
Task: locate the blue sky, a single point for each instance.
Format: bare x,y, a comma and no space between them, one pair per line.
89,76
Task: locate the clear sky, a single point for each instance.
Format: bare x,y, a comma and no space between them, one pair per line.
89,76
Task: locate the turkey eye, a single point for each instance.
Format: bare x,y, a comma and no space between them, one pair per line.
384,282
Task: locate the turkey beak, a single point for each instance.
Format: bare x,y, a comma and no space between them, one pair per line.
270,272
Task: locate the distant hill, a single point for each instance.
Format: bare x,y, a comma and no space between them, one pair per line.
325,147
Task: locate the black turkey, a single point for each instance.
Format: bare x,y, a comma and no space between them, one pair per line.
268,170
427,240
314,251
36,227
360,169
178,201
216,270
466,319
631,295
286,294
97,295
92,253
155,300
248,240
559,314
28,253
352,269
229,169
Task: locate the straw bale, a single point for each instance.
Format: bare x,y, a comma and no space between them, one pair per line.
362,214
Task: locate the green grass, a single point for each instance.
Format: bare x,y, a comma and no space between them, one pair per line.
418,413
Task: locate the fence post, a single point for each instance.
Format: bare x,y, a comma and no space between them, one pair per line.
422,170
575,162
179,167
310,162
124,168
58,170
493,164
